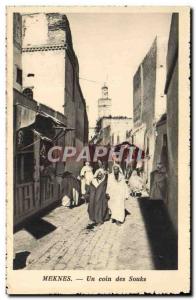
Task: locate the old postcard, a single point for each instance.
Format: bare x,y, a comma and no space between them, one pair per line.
98,150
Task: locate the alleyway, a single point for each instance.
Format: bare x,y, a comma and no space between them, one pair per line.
61,240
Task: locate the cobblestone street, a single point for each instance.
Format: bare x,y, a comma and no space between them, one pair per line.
62,240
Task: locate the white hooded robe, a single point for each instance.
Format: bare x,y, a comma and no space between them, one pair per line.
118,192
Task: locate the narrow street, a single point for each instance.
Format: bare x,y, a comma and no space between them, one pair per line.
98,133
62,240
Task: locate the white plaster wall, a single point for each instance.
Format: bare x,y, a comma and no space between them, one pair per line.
35,30
48,82
120,127
139,137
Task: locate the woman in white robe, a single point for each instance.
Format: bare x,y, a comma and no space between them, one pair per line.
118,191
135,183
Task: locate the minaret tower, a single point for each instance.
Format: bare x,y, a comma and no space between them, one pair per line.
104,103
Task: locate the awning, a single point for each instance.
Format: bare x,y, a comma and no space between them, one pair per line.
53,119
47,128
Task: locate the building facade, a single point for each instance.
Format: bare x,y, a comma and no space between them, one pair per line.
37,183
171,91
149,101
49,109
155,105
51,72
113,130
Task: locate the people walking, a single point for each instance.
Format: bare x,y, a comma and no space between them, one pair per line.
118,191
135,184
86,175
70,190
98,204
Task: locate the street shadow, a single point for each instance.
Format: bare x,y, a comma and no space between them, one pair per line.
38,228
20,260
161,234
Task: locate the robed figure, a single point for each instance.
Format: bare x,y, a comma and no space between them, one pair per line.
70,190
118,192
158,184
86,175
98,204
135,183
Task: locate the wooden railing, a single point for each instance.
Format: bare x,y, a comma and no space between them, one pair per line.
24,203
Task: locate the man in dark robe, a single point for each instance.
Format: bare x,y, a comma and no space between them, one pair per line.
98,204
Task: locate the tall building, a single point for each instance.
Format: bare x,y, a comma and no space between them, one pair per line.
149,101
104,103
51,71
113,130
171,90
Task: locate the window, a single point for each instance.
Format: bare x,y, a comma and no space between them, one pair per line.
30,75
19,76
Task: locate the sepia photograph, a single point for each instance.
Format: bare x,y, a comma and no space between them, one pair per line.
94,115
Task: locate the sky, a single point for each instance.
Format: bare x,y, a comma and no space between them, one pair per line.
110,47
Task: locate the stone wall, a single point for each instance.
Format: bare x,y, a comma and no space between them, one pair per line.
149,100
149,85
171,91
53,29
172,132
137,97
